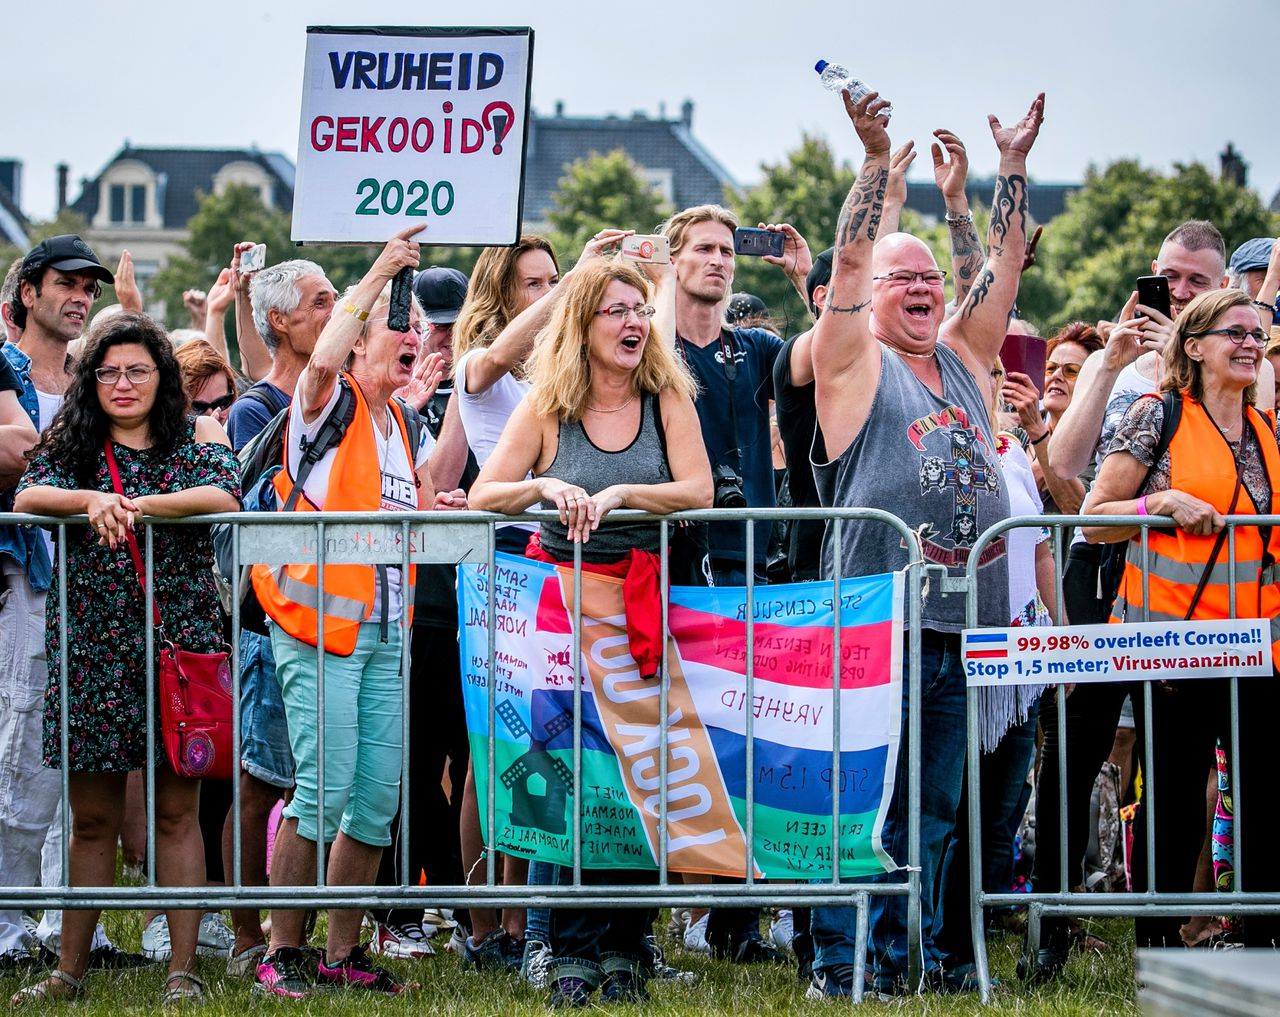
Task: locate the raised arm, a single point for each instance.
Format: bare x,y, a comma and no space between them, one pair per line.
217,300
977,329
334,344
487,365
1265,301
255,358
895,194
846,356
951,172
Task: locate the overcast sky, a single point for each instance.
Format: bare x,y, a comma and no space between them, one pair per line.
1169,81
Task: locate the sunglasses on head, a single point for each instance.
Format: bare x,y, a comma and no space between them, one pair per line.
221,403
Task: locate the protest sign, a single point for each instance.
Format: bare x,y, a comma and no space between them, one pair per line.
1158,651
404,126
618,794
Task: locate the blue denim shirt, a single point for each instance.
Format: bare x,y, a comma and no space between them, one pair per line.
23,543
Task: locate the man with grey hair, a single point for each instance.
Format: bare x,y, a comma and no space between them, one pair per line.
9,290
291,303
1255,269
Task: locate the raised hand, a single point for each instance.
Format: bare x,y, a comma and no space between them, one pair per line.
241,279
950,165
195,303
127,292
896,191
1020,392
796,259
602,241
222,293
869,120
1018,139
402,251
427,373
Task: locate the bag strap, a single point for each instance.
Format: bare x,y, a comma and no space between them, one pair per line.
1217,545
329,436
134,551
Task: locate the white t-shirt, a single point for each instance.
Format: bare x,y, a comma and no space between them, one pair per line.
399,486
48,404
1024,500
485,414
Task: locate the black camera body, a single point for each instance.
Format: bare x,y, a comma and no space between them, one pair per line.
728,488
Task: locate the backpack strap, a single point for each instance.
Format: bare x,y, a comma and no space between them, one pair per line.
329,436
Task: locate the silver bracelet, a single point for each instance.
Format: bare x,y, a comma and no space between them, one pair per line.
958,220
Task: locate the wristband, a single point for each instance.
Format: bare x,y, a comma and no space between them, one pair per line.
1262,306
355,312
958,220
1142,505
1037,441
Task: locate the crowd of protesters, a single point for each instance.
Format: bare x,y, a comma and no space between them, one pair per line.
612,388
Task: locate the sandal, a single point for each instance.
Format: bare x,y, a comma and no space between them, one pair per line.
46,991
182,987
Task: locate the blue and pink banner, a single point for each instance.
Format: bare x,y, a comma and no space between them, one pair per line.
617,795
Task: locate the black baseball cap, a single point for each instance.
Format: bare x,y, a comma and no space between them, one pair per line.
441,292
743,306
820,273
67,253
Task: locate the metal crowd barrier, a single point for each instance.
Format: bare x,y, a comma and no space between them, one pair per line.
1140,903
454,538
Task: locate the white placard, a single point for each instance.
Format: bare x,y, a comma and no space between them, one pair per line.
1156,651
402,126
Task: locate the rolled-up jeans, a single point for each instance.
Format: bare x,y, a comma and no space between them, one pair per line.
363,707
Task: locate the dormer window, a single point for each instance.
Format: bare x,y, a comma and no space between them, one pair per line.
128,204
243,173
127,197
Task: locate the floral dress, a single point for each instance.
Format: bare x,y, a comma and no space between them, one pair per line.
106,632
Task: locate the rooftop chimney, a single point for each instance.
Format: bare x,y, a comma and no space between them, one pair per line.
559,108
63,172
1233,168
11,179
686,112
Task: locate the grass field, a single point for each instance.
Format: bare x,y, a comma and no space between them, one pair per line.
1092,984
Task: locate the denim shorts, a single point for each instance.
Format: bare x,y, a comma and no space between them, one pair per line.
264,733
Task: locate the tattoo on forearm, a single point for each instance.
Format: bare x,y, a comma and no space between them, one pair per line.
1010,200
979,293
851,309
864,205
966,258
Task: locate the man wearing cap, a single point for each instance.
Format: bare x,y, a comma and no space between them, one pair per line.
435,682
1255,269
57,283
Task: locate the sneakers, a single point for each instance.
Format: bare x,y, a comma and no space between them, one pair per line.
570,992
663,971
245,963
287,972
406,942
514,950
535,967
457,942
491,954
623,987
19,962
155,939
834,981
782,930
437,921
357,971
216,938
752,949
695,935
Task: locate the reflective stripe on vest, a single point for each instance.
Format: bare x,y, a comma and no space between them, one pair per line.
289,594
1202,465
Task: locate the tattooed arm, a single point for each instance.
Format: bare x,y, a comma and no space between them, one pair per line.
951,171
846,356
977,329
895,195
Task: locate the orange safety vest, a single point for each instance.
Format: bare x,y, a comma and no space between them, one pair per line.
1201,465
288,593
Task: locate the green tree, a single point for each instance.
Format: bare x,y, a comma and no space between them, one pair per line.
1113,228
807,189
597,192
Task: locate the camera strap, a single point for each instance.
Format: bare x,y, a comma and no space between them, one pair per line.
731,373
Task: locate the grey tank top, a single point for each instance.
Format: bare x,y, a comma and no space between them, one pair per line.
932,462
578,461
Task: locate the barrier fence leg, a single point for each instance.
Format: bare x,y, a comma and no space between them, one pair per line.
860,936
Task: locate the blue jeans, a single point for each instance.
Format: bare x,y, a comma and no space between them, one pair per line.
264,732
537,924
942,750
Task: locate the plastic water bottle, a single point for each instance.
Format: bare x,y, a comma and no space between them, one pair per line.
834,78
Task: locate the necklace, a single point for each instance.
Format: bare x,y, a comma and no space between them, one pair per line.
613,409
914,356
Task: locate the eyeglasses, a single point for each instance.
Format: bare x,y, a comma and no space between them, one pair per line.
1236,335
904,278
618,312
222,403
1069,371
110,376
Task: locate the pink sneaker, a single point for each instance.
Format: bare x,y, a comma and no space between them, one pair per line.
357,971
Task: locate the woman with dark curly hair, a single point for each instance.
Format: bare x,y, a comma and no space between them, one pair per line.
126,396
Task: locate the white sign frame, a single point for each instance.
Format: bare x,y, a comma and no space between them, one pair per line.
398,127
